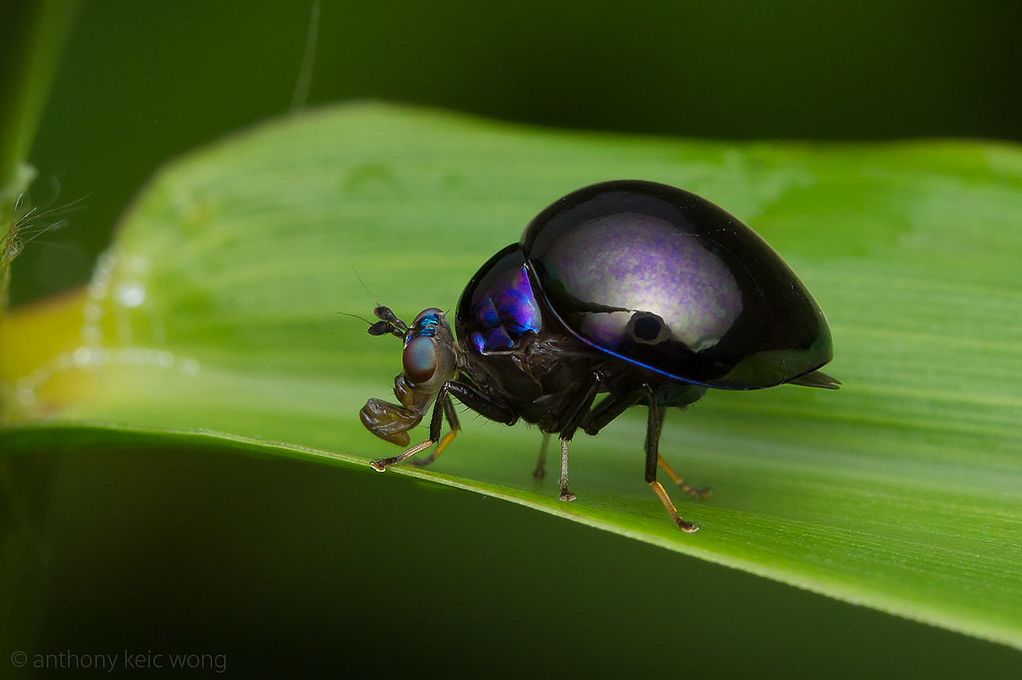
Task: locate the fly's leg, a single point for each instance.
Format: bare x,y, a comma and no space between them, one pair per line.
452,420
382,464
576,412
697,492
610,408
540,471
654,423
472,397
566,494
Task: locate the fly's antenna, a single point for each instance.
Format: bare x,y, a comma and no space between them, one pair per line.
381,327
360,318
354,269
388,323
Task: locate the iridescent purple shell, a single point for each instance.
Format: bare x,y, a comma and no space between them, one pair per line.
657,277
499,306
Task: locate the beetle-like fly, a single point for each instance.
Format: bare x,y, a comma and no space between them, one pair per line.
640,291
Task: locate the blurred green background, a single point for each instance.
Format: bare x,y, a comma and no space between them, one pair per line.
144,81
286,566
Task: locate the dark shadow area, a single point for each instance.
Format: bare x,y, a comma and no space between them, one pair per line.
293,569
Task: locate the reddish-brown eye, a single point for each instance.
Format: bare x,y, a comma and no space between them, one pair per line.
420,359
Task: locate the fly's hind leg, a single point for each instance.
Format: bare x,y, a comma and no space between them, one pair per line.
697,492
653,426
613,406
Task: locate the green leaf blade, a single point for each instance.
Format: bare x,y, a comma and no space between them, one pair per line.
216,313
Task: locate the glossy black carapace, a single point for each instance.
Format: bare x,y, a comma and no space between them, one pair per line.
638,290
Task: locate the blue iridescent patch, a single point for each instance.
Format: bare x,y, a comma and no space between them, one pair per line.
487,314
506,312
425,326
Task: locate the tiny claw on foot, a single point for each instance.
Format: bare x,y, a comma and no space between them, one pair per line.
699,493
538,474
695,492
382,464
567,496
685,525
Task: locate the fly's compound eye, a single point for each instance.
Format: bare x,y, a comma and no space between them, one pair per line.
420,359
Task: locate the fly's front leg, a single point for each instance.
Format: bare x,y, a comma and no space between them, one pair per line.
382,464
484,404
452,421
